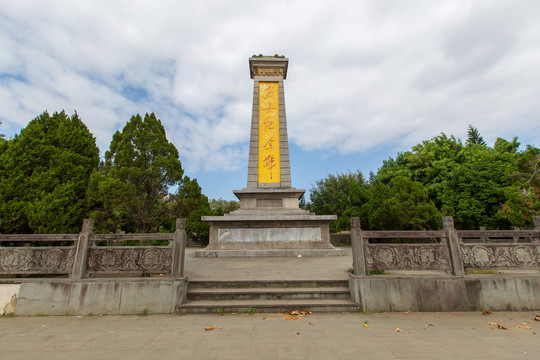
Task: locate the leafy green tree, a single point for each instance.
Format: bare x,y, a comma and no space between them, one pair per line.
427,162
523,197
528,166
140,166
473,136
190,203
44,173
106,195
335,194
2,136
472,190
503,146
519,206
402,204
3,142
226,206
478,185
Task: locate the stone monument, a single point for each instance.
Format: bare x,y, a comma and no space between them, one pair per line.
269,221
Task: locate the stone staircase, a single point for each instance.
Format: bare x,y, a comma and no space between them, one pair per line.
267,296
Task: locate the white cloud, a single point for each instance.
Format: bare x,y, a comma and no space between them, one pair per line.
363,75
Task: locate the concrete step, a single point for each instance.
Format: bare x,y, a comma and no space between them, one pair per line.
213,284
267,296
266,306
268,293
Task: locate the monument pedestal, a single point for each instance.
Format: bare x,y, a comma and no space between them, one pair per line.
269,221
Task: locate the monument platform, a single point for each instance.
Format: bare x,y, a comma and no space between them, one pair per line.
247,233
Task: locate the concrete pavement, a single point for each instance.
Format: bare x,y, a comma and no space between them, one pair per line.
273,336
268,268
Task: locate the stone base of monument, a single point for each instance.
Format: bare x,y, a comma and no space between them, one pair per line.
269,233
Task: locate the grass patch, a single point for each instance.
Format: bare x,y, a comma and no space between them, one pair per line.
252,310
379,272
367,313
144,312
472,272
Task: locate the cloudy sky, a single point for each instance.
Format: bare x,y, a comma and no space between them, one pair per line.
366,80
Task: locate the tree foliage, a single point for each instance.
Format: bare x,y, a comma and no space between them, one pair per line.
131,185
44,173
402,204
2,138
495,187
225,206
336,194
190,203
473,137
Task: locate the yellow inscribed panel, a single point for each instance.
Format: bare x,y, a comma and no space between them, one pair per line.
269,168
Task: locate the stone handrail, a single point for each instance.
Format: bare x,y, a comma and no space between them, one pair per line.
22,254
449,253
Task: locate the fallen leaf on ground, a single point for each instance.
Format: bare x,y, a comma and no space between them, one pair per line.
498,325
398,329
537,318
310,323
486,312
295,314
365,325
300,312
428,325
209,328
523,327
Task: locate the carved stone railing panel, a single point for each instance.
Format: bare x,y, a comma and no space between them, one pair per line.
37,260
408,257
501,256
118,259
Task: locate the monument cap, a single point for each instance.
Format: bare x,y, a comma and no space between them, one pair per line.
276,65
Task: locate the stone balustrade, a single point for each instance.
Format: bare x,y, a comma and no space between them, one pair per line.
450,250
80,256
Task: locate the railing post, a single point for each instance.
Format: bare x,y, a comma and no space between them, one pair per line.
453,244
536,222
179,249
516,238
483,238
81,255
358,251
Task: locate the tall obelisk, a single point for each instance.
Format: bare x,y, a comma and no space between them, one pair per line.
269,221
269,170
269,164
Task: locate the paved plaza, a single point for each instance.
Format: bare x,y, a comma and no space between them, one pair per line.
268,268
273,336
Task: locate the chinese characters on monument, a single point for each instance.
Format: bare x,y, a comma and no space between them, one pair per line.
269,161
